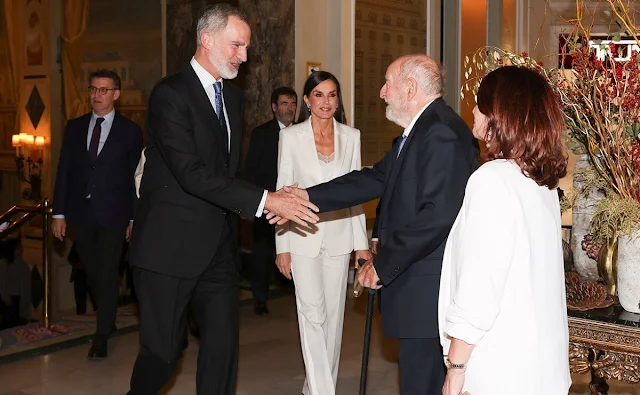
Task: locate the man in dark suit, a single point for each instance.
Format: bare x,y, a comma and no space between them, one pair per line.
184,248
421,182
261,169
95,193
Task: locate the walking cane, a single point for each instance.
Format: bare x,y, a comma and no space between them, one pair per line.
357,290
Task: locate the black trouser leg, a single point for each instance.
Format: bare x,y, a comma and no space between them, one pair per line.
422,370
215,306
164,301
99,250
80,290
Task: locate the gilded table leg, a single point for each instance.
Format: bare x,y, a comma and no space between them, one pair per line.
598,385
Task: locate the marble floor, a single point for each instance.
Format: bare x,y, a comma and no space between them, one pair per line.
270,362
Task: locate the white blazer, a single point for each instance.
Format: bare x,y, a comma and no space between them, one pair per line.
502,285
343,230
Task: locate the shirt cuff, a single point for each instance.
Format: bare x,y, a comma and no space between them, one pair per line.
58,216
261,205
374,239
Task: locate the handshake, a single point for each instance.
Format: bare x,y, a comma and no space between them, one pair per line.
290,203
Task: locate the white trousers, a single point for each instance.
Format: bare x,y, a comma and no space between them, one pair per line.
321,287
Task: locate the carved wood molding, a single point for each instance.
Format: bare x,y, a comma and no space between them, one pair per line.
608,351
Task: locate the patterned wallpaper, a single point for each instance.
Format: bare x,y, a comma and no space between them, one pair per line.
384,30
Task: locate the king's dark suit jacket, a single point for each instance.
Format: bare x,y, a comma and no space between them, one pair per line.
188,186
261,165
422,192
108,179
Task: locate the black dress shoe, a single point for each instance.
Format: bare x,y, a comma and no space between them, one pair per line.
98,349
260,308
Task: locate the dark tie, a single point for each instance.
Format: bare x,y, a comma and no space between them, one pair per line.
95,139
404,138
220,111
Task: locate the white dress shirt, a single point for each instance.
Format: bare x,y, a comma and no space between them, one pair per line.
105,128
207,81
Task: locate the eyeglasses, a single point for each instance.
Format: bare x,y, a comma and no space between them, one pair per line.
102,90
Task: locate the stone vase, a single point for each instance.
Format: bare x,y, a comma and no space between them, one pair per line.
629,272
582,212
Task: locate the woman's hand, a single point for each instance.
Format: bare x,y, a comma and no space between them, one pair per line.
454,382
283,261
363,254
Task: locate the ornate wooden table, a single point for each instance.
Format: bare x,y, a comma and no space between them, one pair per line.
606,344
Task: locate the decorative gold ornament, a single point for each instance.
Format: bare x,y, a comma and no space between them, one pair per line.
608,264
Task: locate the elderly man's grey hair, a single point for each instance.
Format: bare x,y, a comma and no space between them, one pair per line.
425,71
215,18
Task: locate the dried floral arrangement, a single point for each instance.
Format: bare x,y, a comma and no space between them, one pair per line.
601,102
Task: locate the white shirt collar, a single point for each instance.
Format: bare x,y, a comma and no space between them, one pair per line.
107,118
206,79
280,124
407,131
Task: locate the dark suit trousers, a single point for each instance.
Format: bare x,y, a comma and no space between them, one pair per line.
422,370
80,291
213,298
99,250
263,258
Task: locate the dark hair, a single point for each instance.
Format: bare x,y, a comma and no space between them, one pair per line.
215,18
314,79
104,73
282,91
525,122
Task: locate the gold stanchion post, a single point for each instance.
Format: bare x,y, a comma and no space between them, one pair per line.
46,263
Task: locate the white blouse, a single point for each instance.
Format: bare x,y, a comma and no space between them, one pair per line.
327,166
502,285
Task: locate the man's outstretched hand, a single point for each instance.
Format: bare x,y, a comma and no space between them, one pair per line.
291,189
290,204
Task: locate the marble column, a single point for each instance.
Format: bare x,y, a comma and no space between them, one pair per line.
271,56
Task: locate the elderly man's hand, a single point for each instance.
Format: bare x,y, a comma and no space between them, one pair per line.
368,277
273,218
288,205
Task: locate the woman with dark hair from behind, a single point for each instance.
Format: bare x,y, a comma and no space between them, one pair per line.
318,149
502,308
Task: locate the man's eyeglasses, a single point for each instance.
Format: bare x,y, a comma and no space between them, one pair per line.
102,90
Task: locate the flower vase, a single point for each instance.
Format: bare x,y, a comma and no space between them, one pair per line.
582,212
629,272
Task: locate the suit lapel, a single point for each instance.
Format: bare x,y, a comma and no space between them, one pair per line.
85,136
341,140
310,151
422,122
203,107
395,170
235,123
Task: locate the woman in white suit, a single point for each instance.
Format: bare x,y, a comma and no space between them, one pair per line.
318,149
502,308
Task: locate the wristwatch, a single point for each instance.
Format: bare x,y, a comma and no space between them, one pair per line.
451,365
